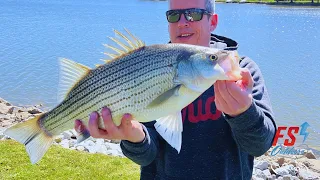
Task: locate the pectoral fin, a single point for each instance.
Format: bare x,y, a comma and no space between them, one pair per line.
165,96
170,128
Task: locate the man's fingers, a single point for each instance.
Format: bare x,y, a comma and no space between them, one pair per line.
221,104
236,91
79,127
228,100
126,120
247,80
110,127
94,126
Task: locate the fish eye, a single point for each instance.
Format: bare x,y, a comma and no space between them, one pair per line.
213,57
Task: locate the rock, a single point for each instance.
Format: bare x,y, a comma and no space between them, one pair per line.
102,149
307,163
114,152
58,140
6,123
92,149
260,174
282,171
88,143
310,155
274,165
280,161
34,111
293,162
10,111
72,142
287,177
286,170
307,174
2,101
262,165
256,178
266,172
115,141
272,177
67,135
100,141
4,109
113,146
80,148
65,143
4,117
23,115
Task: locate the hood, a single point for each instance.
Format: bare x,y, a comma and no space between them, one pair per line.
222,42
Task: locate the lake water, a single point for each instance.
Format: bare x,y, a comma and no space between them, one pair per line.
284,41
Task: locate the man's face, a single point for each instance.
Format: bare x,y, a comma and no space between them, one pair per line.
196,32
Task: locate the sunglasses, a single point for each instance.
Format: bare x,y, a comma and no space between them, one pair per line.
193,14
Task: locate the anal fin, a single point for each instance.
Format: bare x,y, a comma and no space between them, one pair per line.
170,128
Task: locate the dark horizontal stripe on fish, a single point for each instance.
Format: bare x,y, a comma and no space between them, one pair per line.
118,63
108,105
74,117
96,81
75,100
71,101
80,105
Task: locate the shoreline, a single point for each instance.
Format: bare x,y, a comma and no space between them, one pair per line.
279,167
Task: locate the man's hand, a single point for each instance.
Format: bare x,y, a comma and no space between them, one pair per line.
234,98
128,129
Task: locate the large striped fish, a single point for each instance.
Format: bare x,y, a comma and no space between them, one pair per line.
151,82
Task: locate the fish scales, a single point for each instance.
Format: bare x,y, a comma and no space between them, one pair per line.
114,83
150,82
142,64
114,68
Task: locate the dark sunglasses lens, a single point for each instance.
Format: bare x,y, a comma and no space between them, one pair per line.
194,16
173,17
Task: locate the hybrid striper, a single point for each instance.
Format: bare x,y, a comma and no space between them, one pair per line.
151,82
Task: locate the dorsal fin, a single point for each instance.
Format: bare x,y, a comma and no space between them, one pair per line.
130,45
70,73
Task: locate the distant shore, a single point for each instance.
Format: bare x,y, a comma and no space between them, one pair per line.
268,2
279,3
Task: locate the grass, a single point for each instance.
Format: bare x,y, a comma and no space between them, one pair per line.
60,163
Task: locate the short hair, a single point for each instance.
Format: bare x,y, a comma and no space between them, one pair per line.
210,5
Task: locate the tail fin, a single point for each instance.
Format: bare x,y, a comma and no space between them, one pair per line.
30,134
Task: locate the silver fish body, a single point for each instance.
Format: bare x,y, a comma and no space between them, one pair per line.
150,82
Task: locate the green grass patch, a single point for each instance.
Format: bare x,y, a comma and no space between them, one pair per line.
60,163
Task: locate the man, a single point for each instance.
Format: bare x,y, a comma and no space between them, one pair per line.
223,129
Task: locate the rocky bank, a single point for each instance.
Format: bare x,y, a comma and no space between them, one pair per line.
266,167
10,114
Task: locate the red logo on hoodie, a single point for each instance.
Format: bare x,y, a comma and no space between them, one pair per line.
200,116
